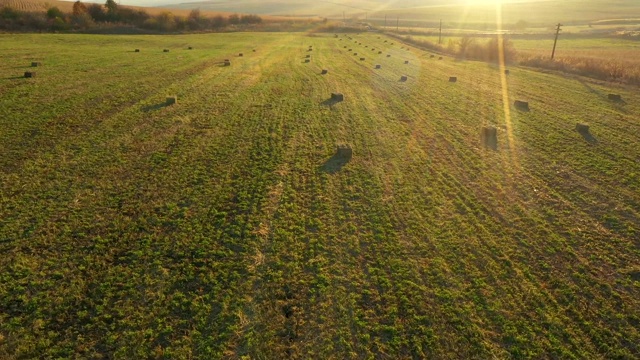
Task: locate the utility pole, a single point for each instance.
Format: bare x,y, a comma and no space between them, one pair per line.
397,24
440,37
553,53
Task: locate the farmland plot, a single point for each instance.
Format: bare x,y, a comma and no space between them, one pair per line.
225,226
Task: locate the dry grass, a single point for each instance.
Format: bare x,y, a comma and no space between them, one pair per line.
621,66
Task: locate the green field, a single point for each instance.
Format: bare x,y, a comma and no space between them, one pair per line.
224,227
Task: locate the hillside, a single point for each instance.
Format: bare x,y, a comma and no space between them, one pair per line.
228,225
67,6
533,11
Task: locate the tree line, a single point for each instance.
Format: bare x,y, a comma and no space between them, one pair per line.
91,16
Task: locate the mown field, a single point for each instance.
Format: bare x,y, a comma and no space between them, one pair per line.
224,227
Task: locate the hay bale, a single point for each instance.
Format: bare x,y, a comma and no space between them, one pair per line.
391,43
378,67
165,50
366,46
30,74
136,50
614,97
372,49
171,100
385,41
308,56
362,59
344,151
307,60
379,52
440,58
507,72
324,71
337,97
36,64
345,46
350,49
582,128
521,105
240,55
453,79
489,135
388,55
354,54
432,56
403,78
227,62
254,50
190,48
406,61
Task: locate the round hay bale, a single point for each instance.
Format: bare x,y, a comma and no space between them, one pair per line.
521,105
614,97
403,78
254,50
489,136
453,79
171,100
30,74
344,151
324,71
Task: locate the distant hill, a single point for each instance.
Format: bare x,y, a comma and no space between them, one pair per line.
67,6
532,11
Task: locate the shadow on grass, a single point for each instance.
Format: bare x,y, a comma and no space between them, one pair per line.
155,107
586,135
330,102
15,78
335,163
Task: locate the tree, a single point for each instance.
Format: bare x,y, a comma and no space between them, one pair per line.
112,10
195,19
464,43
97,12
53,12
79,8
234,19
